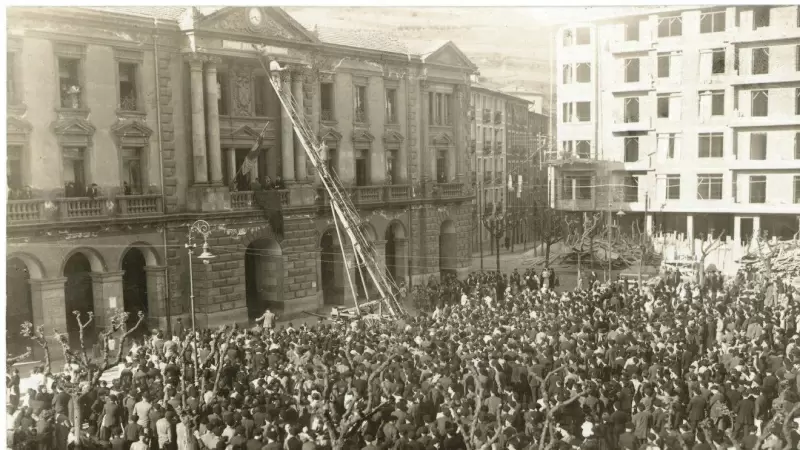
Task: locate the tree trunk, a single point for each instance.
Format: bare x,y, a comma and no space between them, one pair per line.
547,253
77,416
701,273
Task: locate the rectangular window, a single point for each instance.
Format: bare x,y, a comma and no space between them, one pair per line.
631,188
441,166
758,146
583,110
260,90
631,149
797,189
712,22
758,189
710,145
709,186
583,188
11,78
712,103
663,65
632,110
673,187
797,101
567,188
445,108
797,58
632,70
663,106
326,101
14,166
360,104
361,169
567,113
632,31
74,171
718,61
583,149
583,73
670,26
567,74
224,91
761,16
127,86
70,84
132,169
760,103
668,146
583,36
391,106
797,145
760,61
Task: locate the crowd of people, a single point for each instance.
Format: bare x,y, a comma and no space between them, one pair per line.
498,361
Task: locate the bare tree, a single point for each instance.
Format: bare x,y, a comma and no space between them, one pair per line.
551,229
710,244
578,232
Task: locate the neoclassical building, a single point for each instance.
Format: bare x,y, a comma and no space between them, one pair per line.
154,110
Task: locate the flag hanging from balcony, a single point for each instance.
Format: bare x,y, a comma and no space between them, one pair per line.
511,183
251,159
519,186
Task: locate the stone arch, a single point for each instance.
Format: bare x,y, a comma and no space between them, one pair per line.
331,275
96,260
150,254
263,272
35,267
261,233
369,231
448,248
19,300
397,228
79,288
396,251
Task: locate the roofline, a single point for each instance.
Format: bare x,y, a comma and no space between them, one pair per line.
614,17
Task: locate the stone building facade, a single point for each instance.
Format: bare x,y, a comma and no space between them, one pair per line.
155,108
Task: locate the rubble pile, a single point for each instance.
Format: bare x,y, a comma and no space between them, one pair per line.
784,258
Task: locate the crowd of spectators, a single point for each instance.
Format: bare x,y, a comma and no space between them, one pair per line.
495,361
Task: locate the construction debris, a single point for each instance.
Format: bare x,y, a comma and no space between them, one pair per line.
783,258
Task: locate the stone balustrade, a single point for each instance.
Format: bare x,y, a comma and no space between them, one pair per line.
140,205
25,210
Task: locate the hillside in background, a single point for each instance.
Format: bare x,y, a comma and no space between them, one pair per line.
511,45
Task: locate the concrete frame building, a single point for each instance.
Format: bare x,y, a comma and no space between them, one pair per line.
690,114
158,106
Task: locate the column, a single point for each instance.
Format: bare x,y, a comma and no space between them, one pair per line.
424,147
198,122
690,232
287,135
315,116
648,223
459,151
401,259
214,153
299,151
737,230
158,310
230,155
107,291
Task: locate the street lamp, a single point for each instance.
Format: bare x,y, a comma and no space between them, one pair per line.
204,229
496,224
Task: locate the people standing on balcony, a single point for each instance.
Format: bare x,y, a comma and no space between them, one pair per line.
279,184
266,183
93,192
126,188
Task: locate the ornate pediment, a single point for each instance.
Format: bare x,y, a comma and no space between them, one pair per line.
442,139
393,137
15,125
449,55
363,136
329,134
132,133
74,126
257,21
245,132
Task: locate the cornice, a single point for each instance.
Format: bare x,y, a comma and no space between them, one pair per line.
101,19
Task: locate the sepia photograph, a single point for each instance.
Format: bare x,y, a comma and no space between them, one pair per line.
400,227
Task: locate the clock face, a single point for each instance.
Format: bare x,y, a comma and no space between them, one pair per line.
254,15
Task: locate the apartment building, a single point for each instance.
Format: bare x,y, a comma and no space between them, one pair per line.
686,119
126,125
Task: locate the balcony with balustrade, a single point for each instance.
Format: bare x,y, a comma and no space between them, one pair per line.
247,200
19,212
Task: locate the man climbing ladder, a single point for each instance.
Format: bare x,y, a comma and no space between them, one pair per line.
347,218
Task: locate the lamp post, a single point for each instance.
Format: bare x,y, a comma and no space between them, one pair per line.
204,229
497,224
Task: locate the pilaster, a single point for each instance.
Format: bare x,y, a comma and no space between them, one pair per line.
287,134
214,152
401,259
107,291
49,304
200,161
299,151
156,296
424,148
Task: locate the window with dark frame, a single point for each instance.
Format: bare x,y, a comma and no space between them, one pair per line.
260,84
758,189
796,101
128,96
632,110
712,22
797,145
709,186
710,145
567,188
671,26
797,58
632,70
391,105
718,61
758,146
74,170
761,17
14,166
663,65
673,187
718,103
583,73
360,104
583,149
326,101
631,190
631,149
797,189
583,188
70,85
583,36
760,61
583,111
632,31
760,103
662,106
441,166
132,168
362,169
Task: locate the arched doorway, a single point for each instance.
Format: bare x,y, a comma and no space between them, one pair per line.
330,255
395,251
79,296
19,308
134,287
263,267
448,248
